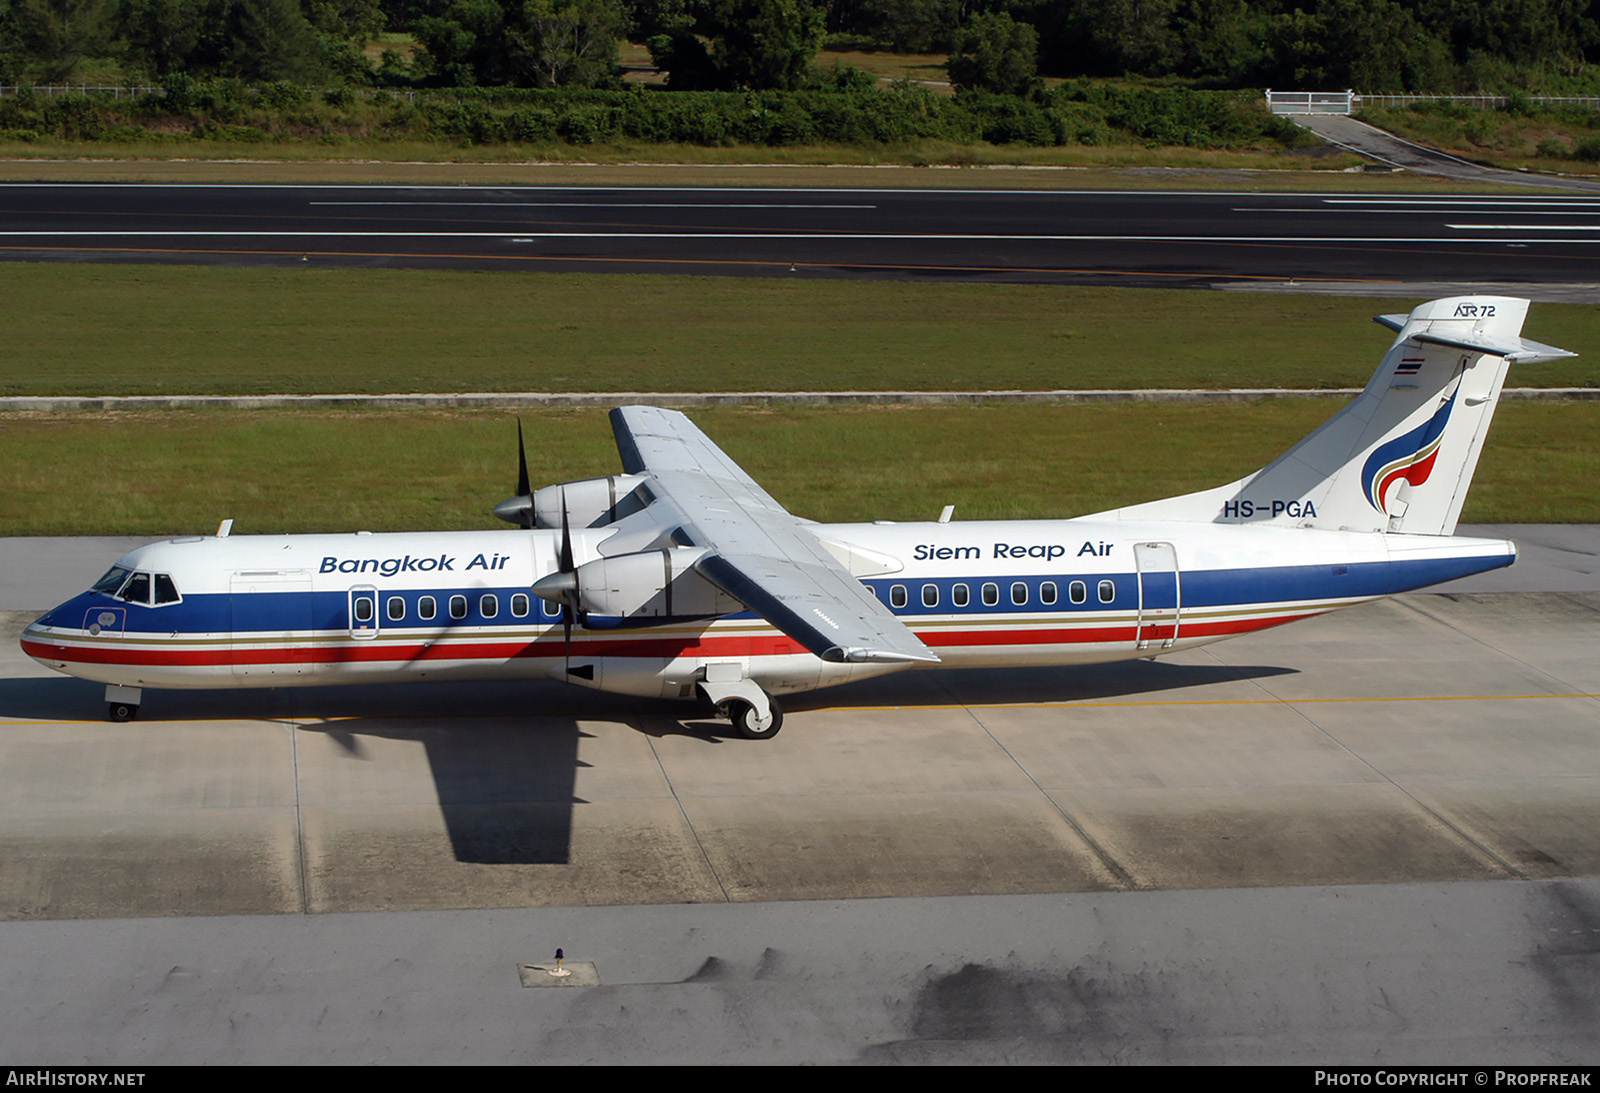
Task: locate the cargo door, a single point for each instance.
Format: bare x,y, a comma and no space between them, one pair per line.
1160,595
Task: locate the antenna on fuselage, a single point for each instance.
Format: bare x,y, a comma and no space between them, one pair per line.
224,528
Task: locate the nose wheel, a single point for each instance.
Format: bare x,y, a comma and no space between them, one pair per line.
122,703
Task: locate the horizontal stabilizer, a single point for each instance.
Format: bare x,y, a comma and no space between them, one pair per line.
1517,350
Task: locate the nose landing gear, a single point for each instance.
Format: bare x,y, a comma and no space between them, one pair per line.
122,702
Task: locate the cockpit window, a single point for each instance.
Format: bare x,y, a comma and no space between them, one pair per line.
137,590
166,591
111,582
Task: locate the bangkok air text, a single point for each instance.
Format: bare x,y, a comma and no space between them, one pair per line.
388,567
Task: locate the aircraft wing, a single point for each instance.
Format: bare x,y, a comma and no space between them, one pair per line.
757,551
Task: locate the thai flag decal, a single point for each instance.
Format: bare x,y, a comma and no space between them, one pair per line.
1410,366
1410,457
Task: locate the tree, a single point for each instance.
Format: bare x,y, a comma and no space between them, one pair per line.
52,37
993,52
271,40
728,44
568,43
911,26
162,35
525,43
345,19
766,43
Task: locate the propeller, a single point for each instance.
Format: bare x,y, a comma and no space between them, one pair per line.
569,603
562,585
519,509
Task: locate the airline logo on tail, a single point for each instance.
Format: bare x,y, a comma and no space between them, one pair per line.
1409,457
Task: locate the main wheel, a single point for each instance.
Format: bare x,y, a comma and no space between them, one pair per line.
749,725
123,711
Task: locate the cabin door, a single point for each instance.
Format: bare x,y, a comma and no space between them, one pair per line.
364,612
1160,595
271,621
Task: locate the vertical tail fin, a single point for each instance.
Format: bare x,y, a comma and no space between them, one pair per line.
1401,456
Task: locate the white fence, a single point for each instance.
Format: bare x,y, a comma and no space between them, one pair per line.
1347,102
56,91
1488,102
1310,102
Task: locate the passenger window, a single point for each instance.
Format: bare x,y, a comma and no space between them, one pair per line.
1077,591
1047,592
959,595
363,605
137,590
166,591
458,607
488,606
519,605
1108,591
897,596
426,608
551,609
991,594
930,595
1019,593
397,608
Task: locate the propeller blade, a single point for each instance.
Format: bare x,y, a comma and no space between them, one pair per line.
564,557
523,486
519,509
569,605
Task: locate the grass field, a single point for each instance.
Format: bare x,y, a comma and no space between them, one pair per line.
181,472
111,329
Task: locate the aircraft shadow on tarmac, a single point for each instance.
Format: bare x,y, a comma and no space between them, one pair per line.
504,757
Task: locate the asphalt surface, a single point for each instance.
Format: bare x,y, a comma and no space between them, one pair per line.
1144,238
1367,837
1374,143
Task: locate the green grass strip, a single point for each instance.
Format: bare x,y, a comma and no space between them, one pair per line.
104,329
180,472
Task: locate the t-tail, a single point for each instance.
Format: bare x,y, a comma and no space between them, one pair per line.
1401,456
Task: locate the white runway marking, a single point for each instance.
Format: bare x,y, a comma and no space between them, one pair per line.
314,233
1520,203
586,205
1525,227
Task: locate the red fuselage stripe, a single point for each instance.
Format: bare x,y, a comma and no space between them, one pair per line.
113,652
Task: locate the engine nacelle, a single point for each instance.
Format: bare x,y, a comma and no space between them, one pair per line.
590,502
643,589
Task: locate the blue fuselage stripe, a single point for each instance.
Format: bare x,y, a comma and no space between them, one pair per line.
1200,588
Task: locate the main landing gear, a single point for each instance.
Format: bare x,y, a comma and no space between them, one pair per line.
122,703
748,720
754,714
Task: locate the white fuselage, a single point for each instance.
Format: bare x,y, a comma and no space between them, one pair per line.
256,611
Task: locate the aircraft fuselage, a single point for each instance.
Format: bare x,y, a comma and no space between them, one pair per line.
251,611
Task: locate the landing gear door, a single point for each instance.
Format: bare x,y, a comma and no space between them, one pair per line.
1160,595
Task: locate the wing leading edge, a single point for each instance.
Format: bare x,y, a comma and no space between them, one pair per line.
756,550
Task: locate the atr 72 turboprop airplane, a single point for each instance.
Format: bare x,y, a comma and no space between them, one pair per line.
682,578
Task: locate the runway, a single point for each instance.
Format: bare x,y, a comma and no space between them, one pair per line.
1361,838
1101,237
